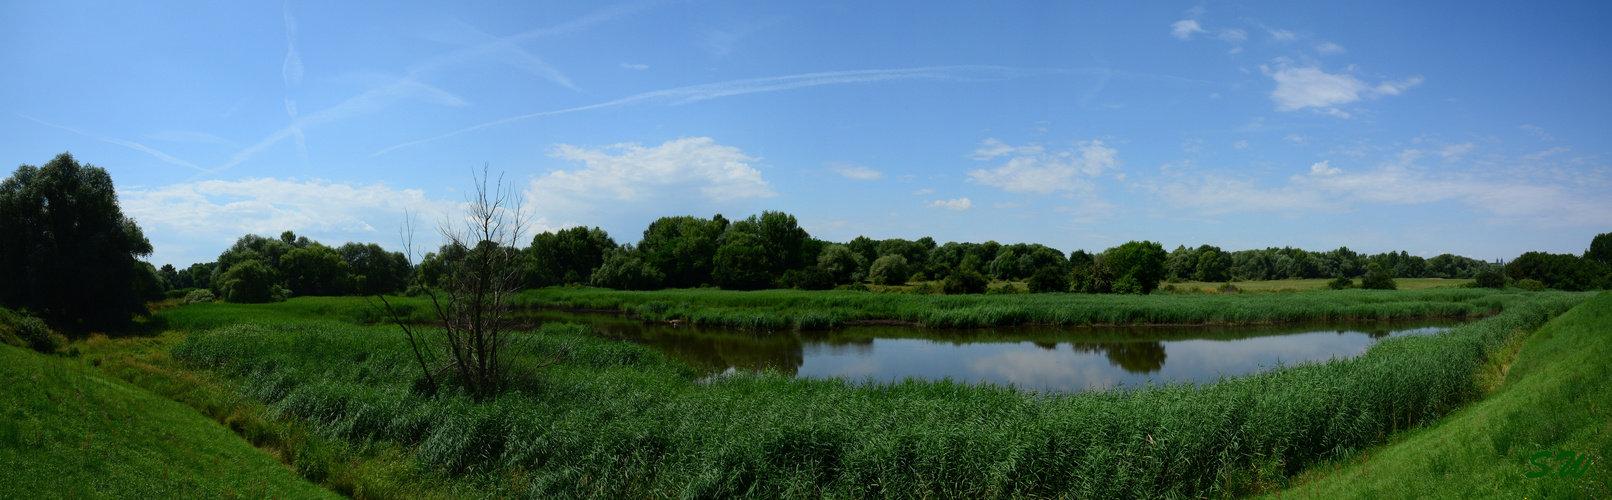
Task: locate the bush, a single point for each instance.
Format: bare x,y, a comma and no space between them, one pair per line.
1048,279
810,278
27,331
1378,278
889,270
199,296
251,282
855,287
1129,285
1341,283
625,270
1489,279
923,289
964,282
1006,289
1227,287
1531,285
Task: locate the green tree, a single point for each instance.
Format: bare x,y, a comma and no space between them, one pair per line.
889,270
66,249
566,256
1212,265
250,282
843,264
1600,249
1378,278
375,270
1140,260
964,281
1049,279
742,263
315,270
624,269
683,248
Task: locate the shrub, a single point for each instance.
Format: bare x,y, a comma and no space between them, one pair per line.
1531,285
1048,279
1227,287
810,278
1006,289
889,270
199,296
1129,285
251,282
924,288
27,331
623,269
964,282
1489,279
1378,278
855,287
1341,283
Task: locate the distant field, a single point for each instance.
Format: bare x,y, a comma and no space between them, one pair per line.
67,433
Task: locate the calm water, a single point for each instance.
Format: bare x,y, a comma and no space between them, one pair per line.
1041,358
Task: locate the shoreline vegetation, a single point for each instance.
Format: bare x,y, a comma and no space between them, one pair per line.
780,310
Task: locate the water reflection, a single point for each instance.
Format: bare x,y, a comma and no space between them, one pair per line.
1042,358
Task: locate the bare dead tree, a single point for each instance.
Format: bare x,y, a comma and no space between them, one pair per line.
472,300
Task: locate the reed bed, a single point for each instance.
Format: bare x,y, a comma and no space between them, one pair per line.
775,310
620,420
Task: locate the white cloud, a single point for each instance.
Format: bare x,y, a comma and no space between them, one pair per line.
1299,88
688,175
1184,29
1240,144
227,209
1322,169
857,172
956,204
1542,154
922,192
1032,169
1282,35
1539,132
1329,48
634,66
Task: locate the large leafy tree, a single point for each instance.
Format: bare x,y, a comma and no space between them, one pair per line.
315,270
66,248
683,248
566,256
1142,261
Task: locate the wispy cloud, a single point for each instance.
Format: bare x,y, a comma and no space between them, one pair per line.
953,204
687,172
1031,169
1329,48
291,71
227,209
857,172
696,93
634,66
1185,28
128,144
1310,87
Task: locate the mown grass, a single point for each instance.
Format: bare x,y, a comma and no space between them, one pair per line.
1556,398
67,432
776,310
620,420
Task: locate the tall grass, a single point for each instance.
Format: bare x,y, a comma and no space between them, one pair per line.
620,420
784,309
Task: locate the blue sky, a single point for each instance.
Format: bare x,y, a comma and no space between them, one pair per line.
1479,129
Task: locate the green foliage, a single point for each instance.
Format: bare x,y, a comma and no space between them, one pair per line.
1489,279
1142,261
1228,288
1127,284
810,278
571,255
964,281
1559,271
22,330
375,270
625,270
1341,283
842,263
250,282
1048,279
889,270
315,270
66,249
1531,285
1005,289
1091,278
1212,266
742,262
1600,249
1378,278
200,296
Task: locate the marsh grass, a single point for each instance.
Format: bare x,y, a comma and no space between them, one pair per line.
615,419
779,310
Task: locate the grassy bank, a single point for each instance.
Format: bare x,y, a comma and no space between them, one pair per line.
793,309
616,419
68,432
1556,398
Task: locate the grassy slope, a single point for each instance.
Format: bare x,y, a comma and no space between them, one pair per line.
67,433
1556,397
